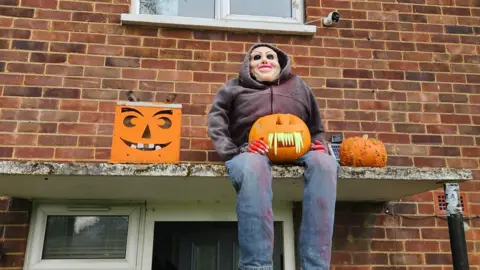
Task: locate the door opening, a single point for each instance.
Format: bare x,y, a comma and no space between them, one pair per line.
203,246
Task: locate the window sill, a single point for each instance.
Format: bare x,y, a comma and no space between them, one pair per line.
214,24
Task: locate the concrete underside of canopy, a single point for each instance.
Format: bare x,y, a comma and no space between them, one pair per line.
204,182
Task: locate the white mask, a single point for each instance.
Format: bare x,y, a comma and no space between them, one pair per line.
264,64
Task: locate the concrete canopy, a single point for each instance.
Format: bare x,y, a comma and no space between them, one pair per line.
204,182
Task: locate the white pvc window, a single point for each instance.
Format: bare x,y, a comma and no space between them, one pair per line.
270,10
83,237
268,15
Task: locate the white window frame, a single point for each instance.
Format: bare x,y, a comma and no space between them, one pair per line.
34,261
224,20
213,212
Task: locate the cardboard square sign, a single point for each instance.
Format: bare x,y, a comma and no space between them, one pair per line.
146,133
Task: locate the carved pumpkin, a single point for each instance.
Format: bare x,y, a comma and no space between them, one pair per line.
287,136
146,133
362,152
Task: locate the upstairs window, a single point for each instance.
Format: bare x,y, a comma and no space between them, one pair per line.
274,16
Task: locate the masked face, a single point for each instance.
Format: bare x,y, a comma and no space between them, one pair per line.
264,64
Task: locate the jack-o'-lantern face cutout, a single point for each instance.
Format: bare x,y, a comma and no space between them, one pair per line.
148,133
287,136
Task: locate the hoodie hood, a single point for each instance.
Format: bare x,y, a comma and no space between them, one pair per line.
245,76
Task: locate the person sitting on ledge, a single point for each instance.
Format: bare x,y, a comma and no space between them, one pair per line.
265,86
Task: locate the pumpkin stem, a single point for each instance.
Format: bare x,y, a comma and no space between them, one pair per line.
365,137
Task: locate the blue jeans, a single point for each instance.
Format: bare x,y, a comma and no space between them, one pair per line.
251,177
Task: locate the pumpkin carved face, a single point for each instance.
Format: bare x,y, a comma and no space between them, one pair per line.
286,135
362,152
145,132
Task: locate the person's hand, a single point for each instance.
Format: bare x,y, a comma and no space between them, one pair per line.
258,146
318,146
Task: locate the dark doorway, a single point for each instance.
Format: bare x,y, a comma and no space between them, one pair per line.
202,246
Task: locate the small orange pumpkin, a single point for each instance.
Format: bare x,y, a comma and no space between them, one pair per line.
287,136
362,152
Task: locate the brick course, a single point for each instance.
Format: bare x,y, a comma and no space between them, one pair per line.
405,72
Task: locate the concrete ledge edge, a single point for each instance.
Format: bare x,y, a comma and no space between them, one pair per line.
218,170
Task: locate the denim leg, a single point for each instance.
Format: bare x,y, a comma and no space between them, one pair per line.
251,176
320,192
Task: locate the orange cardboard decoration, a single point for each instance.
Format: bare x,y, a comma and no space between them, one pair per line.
146,133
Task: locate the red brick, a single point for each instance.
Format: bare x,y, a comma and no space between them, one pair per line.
87,38
175,54
49,35
94,141
105,50
48,57
91,117
74,153
33,152
6,114
444,151
442,129
43,80
79,105
59,116
139,74
158,64
57,140
82,82
370,258
141,52
30,24
37,127
86,60
119,84
68,47
71,5
39,104
156,86
7,126
438,258
53,15
102,72
64,70
471,152
29,45
128,41
111,8
18,139
46,4
67,128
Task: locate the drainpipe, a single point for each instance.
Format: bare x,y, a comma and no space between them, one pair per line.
456,231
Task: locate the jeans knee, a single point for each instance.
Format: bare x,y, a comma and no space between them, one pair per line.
322,161
249,169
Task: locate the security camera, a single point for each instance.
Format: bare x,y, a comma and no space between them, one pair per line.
332,18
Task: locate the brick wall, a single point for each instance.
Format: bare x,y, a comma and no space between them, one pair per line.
14,218
405,71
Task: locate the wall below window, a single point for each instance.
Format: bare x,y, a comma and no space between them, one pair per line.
14,226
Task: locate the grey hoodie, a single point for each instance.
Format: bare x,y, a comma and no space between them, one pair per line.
241,101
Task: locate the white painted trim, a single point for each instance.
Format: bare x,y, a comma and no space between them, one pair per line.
135,7
148,104
219,24
247,18
297,14
33,258
213,212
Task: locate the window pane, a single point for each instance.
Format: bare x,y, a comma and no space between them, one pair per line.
86,237
186,8
274,8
